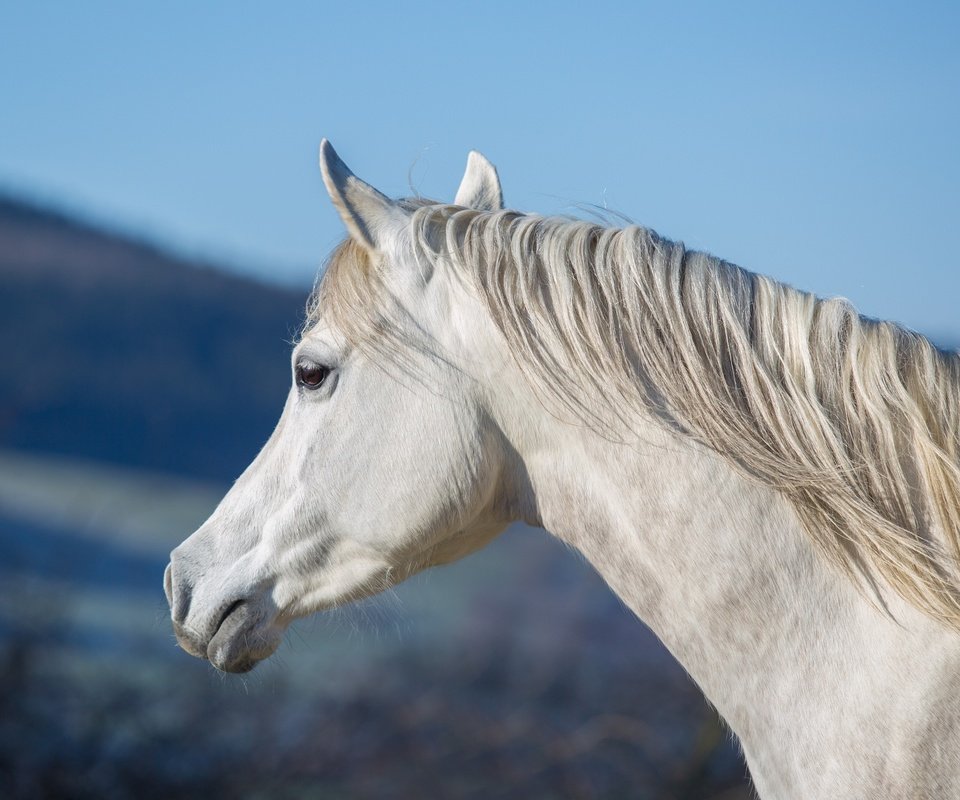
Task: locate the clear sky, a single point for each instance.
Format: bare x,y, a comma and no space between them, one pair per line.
815,142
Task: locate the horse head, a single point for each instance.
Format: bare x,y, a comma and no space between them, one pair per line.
385,460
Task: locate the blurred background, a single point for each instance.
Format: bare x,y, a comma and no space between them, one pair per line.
162,220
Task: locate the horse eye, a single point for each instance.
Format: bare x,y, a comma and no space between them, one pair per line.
310,376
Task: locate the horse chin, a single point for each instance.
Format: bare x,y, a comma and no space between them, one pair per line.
243,640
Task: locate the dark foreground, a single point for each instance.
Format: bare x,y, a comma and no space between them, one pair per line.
513,674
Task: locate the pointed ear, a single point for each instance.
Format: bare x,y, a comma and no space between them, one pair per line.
480,187
369,215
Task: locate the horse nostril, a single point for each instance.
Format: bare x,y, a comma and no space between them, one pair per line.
179,591
168,584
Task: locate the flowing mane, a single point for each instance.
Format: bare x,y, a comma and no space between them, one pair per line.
855,421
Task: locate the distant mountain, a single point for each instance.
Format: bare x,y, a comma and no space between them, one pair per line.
115,350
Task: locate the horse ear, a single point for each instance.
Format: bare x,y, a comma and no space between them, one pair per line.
480,187
369,215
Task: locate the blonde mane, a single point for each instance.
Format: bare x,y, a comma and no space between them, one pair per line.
855,421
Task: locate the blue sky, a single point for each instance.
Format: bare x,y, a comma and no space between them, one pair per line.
815,142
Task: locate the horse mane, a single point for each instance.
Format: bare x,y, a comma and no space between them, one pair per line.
854,421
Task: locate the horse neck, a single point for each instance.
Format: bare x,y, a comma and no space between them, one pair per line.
722,571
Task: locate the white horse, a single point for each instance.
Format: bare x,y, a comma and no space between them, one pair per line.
768,480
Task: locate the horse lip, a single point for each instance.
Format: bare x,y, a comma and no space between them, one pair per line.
223,617
188,642
241,639
233,623
225,633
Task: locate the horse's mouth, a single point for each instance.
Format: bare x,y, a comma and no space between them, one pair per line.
243,637
247,635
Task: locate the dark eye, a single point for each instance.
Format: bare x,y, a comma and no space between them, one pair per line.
311,376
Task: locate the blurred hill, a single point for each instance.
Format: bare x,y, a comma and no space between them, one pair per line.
118,351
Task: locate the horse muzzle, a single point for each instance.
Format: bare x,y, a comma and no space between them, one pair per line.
234,632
